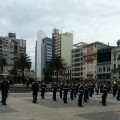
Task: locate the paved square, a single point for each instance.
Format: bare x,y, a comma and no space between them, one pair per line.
20,107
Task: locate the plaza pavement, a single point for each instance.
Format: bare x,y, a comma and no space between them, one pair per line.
20,107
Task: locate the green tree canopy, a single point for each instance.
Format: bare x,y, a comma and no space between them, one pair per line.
3,62
23,62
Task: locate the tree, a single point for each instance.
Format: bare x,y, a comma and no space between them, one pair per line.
47,71
57,65
3,62
23,62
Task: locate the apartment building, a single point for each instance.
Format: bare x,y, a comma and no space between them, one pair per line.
77,61
115,63
104,64
10,48
90,60
62,46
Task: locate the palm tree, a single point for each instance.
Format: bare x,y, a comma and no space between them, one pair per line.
47,71
57,65
3,62
23,62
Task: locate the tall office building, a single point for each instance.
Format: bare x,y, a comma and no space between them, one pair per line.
10,48
43,53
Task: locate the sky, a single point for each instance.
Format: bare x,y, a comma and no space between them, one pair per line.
89,20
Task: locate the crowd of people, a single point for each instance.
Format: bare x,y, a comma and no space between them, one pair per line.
83,90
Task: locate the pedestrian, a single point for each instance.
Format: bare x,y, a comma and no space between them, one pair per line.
35,89
4,90
27,83
80,95
43,87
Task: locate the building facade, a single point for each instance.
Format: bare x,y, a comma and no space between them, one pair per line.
115,63
10,48
77,61
62,46
90,60
43,54
104,64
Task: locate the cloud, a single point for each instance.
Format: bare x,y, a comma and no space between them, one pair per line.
90,20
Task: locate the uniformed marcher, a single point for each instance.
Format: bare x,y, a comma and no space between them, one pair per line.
43,87
104,95
35,89
4,90
118,92
86,93
60,89
114,89
72,91
54,89
80,95
65,92
91,89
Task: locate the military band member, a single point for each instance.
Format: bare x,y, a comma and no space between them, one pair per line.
60,89
104,95
65,92
72,88
54,89
43,87
118,92
80,95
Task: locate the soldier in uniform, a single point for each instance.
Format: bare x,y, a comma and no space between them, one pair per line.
54,89
118,92
104,95
72,91
60,89
114,89
43,87
4,89
80,95
65,92
85,93
35,89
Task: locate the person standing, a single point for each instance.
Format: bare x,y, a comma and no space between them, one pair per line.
65,92
54,89
104,95
86,93
80,95
43,87
114,89
118,92
72,91
4,89
60,89
35,89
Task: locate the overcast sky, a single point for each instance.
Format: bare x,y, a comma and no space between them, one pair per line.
89,20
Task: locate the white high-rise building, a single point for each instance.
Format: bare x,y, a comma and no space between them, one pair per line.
38,55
